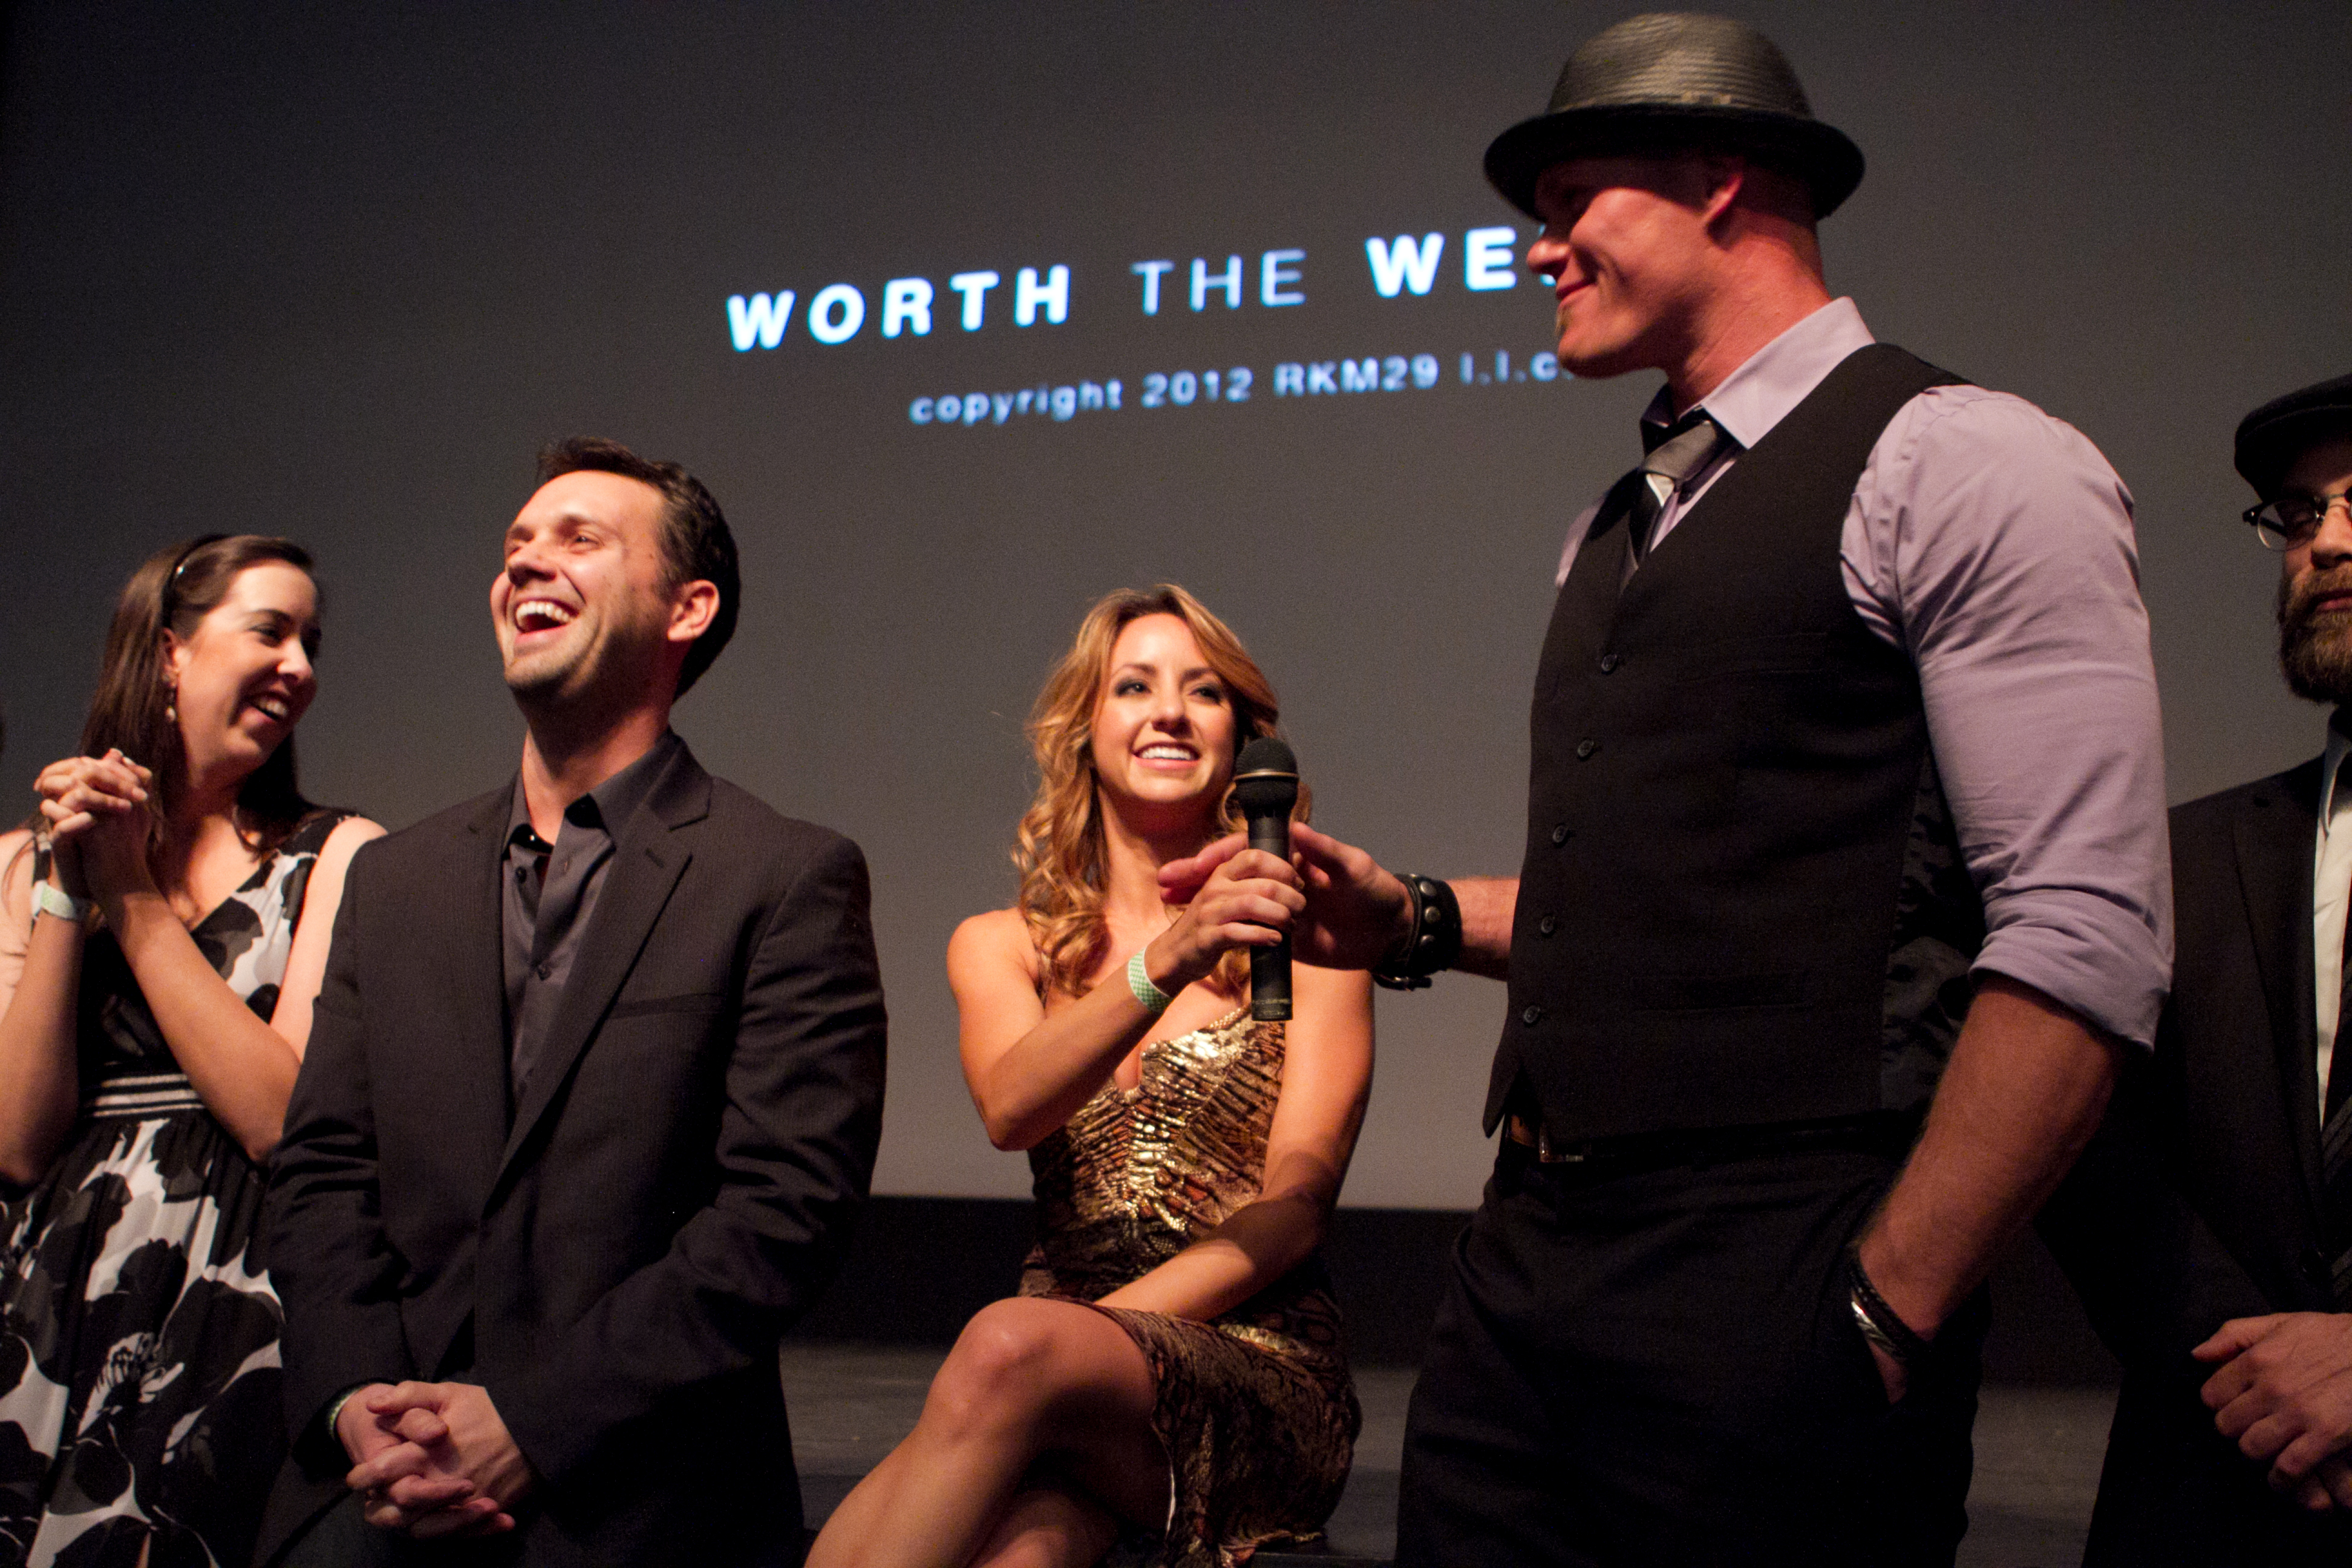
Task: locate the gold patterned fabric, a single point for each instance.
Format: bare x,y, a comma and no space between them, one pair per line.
1256,1409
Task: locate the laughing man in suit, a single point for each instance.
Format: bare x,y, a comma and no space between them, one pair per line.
2210,1224
593,1094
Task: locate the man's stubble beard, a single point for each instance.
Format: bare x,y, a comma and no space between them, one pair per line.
599,676
542,678
2315,649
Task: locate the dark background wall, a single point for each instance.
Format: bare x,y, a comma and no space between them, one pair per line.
336,271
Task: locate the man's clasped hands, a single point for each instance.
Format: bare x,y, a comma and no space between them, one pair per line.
2284,1393
433,1459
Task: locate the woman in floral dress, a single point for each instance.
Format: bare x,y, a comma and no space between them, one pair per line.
163,926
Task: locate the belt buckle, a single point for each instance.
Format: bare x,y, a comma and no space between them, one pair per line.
1545,1153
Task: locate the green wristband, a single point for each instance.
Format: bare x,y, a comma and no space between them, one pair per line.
48,899
1154,999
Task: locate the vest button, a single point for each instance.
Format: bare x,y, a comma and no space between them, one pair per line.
1559,833
1584,749
1531,1016
1546,926
1609,662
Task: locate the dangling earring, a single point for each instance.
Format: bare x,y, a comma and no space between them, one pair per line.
171,704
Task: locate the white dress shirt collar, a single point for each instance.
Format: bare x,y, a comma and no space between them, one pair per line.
2331,765
2331,895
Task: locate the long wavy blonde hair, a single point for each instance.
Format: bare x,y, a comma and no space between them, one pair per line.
1060,853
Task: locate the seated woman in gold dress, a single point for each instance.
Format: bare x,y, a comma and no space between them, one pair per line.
1172,1365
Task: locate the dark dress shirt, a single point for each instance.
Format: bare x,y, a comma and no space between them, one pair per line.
550,891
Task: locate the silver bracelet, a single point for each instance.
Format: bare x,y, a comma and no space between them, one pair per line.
1880,1323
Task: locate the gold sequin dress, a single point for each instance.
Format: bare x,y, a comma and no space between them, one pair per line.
1256,1409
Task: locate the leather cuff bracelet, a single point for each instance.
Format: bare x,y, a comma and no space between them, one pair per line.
1881,1324
1433,942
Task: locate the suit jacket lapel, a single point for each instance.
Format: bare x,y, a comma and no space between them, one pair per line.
2274,843
475,1073
647,863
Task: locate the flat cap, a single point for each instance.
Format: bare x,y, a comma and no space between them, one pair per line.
2272,437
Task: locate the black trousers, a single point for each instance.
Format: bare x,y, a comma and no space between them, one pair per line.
2175,1493
341,1538
1661,1366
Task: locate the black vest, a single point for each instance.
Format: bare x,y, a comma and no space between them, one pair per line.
1742,900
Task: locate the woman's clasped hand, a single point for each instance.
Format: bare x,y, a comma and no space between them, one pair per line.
164,917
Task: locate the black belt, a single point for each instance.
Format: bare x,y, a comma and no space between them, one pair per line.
1886,1132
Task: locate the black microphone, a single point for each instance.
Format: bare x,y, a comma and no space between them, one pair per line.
1266,783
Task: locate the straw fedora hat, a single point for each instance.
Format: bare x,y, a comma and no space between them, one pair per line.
1674,81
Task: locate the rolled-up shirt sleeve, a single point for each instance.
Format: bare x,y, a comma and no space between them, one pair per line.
1995,544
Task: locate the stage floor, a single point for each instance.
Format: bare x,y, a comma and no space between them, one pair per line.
2038,1451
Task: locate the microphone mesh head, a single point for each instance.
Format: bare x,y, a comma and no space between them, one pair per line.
1265,779
1265,755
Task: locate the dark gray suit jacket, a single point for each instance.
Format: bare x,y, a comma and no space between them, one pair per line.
615,1258
2199,1201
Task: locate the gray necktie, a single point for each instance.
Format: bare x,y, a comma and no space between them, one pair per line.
1680,454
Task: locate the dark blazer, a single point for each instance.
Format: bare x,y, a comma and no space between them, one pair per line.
2199,1201
615,1258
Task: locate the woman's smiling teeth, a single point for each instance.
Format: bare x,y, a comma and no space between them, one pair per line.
542,615
1168,754
277,707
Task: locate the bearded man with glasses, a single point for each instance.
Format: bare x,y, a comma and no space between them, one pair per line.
2208,1226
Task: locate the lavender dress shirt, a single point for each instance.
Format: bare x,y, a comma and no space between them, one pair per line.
1994,544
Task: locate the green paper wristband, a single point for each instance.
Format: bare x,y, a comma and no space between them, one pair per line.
48,899
1154,999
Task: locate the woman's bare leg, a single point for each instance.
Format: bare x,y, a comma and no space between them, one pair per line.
1028,1378
1050,1527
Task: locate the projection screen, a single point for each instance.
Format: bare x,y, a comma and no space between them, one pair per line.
969,314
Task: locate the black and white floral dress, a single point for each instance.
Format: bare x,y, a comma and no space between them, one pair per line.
139,1374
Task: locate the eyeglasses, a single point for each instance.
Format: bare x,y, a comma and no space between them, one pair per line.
2292,520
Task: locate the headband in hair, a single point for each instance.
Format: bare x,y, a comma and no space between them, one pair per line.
172,582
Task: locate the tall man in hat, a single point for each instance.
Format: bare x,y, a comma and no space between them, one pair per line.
2210,1224
1846,798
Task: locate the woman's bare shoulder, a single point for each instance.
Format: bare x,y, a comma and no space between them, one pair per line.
18,880
998,938
346,836
16,869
